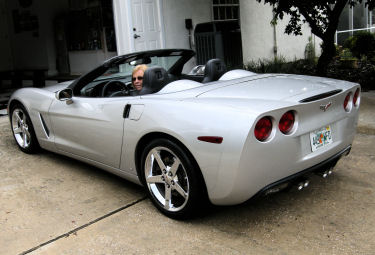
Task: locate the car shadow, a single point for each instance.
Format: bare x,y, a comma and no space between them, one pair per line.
272,207
94,172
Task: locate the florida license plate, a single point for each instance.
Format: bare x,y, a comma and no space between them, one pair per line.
321,137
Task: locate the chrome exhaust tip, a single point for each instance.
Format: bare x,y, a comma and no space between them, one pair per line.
325,173
303,184
300,186
306,183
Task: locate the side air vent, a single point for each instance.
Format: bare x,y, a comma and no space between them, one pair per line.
320,96
44,125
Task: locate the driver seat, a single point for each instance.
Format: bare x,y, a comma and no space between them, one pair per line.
154,79
213,70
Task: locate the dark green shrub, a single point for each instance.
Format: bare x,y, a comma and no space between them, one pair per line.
280,65
363,73
349,43
361,44
276,65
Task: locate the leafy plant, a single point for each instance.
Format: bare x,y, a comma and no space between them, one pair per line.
310,51
364,73
276,65
346,54
280,65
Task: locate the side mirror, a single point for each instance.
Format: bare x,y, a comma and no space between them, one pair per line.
65,95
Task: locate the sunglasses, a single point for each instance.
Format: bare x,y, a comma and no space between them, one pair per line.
139,78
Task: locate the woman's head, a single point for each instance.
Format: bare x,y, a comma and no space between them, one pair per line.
137,76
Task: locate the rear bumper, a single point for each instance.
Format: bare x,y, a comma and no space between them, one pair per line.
326,164
250,186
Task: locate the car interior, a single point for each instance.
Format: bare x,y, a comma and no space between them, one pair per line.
113,79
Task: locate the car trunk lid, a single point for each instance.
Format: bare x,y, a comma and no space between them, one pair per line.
292,88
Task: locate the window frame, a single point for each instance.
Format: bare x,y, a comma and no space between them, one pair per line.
232,4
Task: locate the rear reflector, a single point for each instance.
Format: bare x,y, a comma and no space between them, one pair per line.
346,102
286,122
211,139
355,97
263,129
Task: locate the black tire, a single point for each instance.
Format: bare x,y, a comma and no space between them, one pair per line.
180,180
23,130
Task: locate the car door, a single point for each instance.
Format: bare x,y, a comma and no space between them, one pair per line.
91,128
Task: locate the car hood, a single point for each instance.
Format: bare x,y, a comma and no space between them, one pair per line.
275,87
58,86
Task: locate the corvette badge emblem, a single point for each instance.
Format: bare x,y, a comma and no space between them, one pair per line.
324,107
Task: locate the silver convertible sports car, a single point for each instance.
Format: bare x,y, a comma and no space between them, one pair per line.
215,136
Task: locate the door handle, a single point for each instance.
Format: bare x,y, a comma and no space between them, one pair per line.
136,36
126,111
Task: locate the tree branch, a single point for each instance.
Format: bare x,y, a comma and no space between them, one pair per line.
315,29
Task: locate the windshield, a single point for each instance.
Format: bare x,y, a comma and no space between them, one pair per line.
125,69
116,72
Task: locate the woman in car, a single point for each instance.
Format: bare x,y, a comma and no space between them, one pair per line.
137,76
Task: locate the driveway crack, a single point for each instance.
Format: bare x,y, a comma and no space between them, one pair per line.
74,231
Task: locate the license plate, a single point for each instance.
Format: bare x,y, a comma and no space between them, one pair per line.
321,137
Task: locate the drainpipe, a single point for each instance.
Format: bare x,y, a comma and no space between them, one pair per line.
274,23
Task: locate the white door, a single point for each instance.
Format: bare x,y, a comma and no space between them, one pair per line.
5,50
147,32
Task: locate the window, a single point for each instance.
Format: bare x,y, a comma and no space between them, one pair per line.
354,19
360,16
225,9
371,17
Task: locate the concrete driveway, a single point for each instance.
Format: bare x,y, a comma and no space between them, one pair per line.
51,204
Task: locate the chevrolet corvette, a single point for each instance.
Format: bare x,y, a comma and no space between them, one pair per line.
208,136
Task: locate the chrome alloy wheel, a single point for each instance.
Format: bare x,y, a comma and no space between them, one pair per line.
166,179
20,128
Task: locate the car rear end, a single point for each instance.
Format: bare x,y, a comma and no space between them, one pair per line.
308,132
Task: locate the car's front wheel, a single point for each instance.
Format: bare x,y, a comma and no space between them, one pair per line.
22,128
172,179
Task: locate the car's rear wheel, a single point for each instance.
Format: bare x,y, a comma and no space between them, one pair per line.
172,179
22,128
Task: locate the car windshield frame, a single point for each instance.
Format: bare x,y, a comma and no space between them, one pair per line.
138,58
125,69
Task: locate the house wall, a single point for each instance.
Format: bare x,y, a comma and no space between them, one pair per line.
258,38
122,20
175,12
176,35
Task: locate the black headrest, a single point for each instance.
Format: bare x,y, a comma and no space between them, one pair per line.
154,79
213,70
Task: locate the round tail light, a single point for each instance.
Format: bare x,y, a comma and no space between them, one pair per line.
355,97
286,122
346,102
263,129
